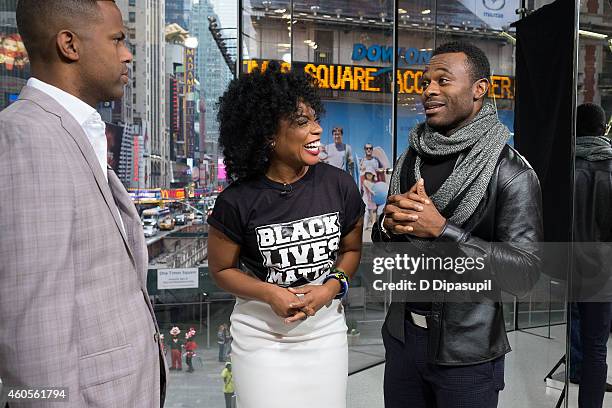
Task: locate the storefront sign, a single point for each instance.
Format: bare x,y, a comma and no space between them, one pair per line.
189,70
145,194
346,77
136,157
221,171
174,194
263,64
497,14
378,79
186,278
174,106
200,192
384,54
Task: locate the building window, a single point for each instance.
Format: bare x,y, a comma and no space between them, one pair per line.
132,17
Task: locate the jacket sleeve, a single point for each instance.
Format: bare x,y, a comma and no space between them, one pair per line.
513,260
38,330
377,234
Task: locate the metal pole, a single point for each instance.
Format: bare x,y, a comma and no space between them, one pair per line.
394,83
291,34
390,274
549,305
530,310
207,324
435,33
239,41
515,313
523,10
568,292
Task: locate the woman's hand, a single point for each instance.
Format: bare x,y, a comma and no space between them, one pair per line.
280,299
315,296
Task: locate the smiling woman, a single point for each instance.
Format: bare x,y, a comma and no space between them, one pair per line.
261,114
293,227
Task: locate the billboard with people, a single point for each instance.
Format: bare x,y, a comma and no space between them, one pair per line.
357,138
114,137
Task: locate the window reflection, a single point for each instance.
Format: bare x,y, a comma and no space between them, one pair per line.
589,321
163,134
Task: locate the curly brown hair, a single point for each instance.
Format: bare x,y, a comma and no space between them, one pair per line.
250,111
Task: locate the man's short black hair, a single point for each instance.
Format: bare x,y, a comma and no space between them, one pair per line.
476,58
39,20
590,120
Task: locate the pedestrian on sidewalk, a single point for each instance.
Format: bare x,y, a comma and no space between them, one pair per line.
190,346
221,342
176,347
227,347
228,384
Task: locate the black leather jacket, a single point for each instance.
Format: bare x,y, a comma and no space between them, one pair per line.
592,231
511,213
593,221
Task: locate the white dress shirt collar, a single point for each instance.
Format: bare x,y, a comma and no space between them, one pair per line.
76,107
87,117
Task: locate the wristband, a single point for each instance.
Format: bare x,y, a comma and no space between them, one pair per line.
341,277
382,228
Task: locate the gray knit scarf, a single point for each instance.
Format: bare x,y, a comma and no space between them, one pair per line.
479,144
593,148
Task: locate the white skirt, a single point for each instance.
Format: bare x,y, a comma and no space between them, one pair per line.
300,365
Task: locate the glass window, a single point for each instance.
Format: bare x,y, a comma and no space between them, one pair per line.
163,138
588,314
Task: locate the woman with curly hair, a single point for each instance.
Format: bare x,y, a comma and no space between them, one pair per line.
284,237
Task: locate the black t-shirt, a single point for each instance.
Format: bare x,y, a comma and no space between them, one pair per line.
434,172
289,235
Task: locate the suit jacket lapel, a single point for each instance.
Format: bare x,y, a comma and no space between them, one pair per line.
78,135
131,221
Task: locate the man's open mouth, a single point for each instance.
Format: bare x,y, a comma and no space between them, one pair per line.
433,107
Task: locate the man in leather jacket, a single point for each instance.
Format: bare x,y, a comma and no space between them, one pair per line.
443,354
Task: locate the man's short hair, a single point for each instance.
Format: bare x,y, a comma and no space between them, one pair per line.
39,20
590,120
478,62
339,129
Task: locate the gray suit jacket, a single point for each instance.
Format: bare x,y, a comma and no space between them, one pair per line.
74,308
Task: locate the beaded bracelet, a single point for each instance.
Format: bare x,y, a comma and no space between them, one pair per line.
341,277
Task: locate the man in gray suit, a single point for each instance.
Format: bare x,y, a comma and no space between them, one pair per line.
74,309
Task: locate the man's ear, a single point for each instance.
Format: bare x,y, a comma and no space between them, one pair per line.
481,88
68,45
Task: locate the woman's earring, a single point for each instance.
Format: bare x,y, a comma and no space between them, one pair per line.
273,144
